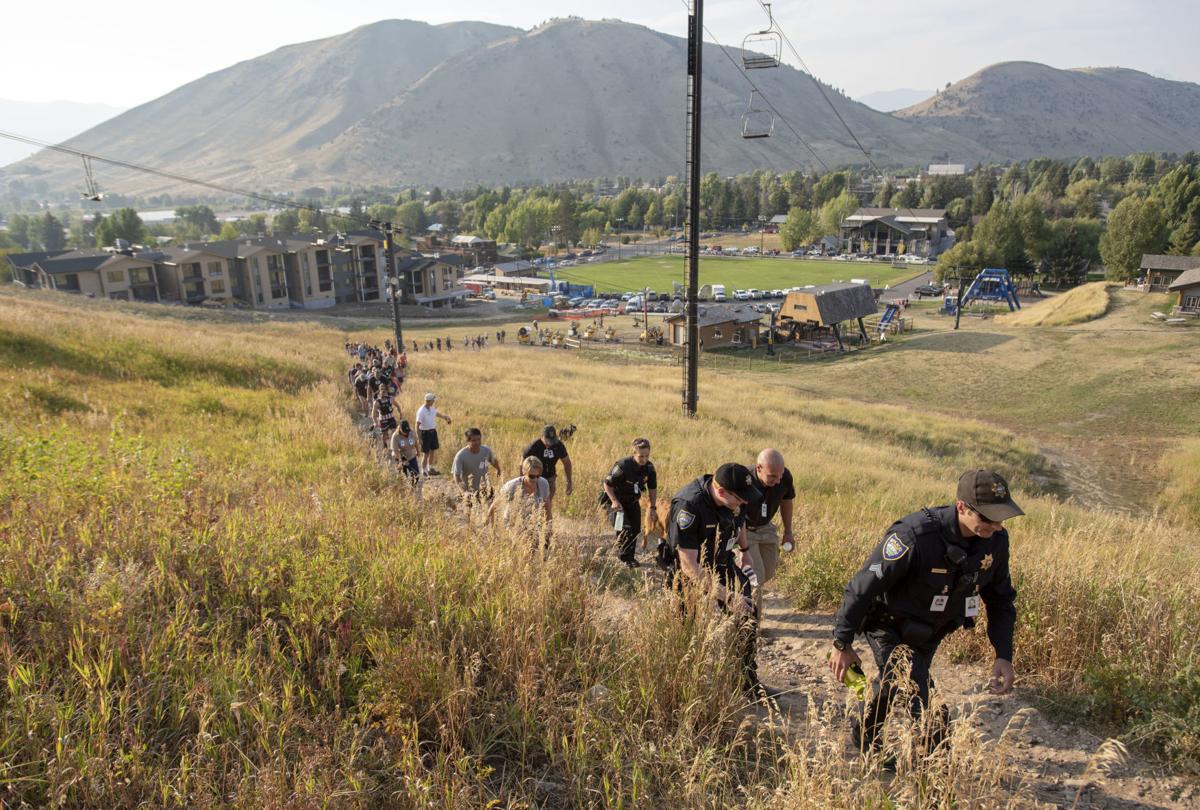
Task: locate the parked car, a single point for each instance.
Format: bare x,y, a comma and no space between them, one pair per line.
755,295
741,295
930,290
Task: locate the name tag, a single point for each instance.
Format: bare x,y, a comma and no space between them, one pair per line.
764,509
547,453
635,489
972,606
939,603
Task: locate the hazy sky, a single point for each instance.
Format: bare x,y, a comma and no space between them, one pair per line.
127,52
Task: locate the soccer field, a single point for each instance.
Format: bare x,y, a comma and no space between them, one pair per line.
657,273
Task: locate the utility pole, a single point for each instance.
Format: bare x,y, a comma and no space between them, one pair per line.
692,348
393,280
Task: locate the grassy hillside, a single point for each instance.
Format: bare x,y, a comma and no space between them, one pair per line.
1083,303
211,594
657,273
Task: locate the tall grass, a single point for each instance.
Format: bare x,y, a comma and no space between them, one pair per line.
211,595
1083,303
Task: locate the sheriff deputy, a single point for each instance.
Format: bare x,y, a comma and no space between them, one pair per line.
927,578
704,522
623,487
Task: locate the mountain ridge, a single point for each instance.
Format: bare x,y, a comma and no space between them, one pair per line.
402,102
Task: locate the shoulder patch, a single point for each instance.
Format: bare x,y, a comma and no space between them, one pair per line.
685,519
894,548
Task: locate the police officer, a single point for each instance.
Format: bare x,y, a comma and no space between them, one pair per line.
623,486
924,580
705,520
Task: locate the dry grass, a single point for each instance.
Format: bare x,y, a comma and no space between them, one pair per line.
210,595
1083,303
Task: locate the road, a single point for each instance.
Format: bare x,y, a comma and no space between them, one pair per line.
905,289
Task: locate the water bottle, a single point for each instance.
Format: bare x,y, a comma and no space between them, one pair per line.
856,681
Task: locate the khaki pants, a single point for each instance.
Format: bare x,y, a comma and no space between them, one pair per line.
764,556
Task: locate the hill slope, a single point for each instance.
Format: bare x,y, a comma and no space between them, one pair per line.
1025,109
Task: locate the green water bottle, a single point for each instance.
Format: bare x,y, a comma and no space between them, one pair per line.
856,681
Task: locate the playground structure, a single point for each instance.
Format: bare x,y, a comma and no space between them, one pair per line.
992,284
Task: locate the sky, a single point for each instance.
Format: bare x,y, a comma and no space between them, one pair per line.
127,52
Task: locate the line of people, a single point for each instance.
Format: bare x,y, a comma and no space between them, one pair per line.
927,577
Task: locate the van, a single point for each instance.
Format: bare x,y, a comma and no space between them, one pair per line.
718,293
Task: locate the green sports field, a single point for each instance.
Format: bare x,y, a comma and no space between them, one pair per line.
657,273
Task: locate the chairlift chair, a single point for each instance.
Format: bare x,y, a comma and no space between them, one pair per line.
757,122
92,194
763,49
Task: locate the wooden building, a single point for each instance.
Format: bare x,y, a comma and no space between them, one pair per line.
1157,273
826,306
718,326
1188,287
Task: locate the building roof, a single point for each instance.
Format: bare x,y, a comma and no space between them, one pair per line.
1153,261
778,219
714,314
468,239
841,301
1189,278
77,261
936,169
907,215
29,259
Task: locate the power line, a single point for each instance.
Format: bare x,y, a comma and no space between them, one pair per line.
180,178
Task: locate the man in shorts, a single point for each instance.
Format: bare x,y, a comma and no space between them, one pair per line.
427,416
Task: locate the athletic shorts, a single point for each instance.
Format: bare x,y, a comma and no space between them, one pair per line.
429,440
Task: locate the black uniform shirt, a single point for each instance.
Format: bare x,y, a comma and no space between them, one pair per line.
762,511
548,454
696,521
629,479
911,575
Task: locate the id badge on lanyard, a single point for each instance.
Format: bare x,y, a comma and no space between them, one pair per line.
972,606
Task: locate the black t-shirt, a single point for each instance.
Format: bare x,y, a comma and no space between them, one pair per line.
548,454
697,522
762,511
629,479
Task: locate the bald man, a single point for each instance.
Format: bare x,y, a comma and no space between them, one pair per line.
759,539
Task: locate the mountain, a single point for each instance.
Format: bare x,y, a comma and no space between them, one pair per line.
404,102
601,98
1025,109
892,100
51,121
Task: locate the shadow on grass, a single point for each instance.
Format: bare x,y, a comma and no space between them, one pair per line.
963,342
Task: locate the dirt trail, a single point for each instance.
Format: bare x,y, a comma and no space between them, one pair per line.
1051,759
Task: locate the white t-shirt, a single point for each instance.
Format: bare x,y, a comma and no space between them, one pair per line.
427,417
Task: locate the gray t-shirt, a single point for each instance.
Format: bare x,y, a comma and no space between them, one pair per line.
518,502
472,468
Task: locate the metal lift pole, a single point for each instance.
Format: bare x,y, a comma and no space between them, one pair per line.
692,347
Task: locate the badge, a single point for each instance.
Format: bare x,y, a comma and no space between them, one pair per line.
894,548
972,607
939,603
998,490
685,519
764,509
986,562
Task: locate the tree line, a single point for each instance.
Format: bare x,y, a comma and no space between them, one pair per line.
1051,216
